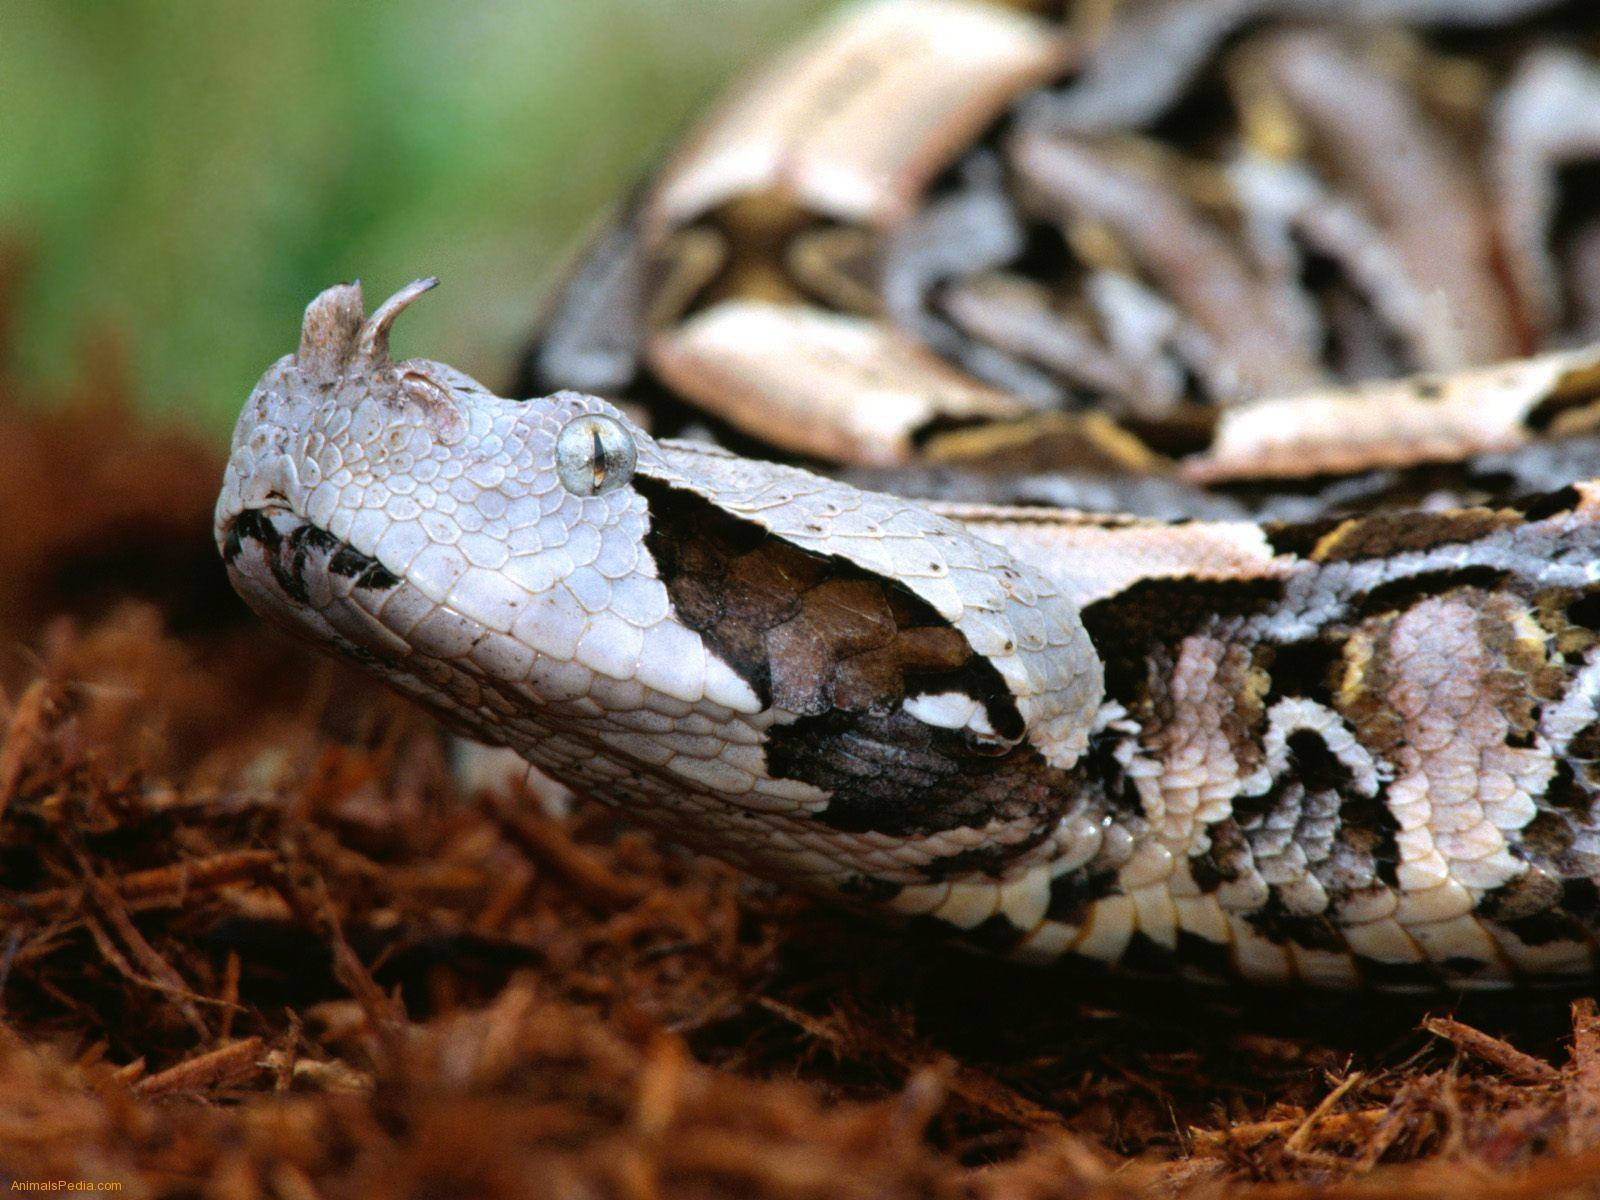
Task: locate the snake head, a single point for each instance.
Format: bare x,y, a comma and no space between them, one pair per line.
786,670
389,506
300,413
484,554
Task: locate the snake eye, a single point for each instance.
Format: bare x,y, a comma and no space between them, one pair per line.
594,454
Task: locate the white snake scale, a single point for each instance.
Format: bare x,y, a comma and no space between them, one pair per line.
1338,724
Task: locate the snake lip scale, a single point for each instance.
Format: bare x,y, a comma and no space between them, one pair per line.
957,717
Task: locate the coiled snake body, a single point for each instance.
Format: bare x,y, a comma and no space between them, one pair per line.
1302,683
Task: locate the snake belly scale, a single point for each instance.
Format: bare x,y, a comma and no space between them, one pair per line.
1347,747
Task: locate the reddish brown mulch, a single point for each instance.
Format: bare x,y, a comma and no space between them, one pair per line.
255,941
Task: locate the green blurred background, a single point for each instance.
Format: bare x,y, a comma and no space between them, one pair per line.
187,175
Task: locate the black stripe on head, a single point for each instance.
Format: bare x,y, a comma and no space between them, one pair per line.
348,562
892,774
377,577
289,564
250,525
289,555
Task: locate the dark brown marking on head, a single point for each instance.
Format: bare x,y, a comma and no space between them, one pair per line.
315,538
377,577
348,562
340,559
289,564
241,529
367,571
250,525
811,633
890,773
842,650
288,556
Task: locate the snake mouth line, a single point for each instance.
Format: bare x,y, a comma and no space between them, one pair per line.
292,545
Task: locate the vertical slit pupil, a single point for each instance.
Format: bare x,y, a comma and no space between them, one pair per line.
599,457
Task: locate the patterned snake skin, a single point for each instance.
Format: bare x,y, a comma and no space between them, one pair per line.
1338,724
